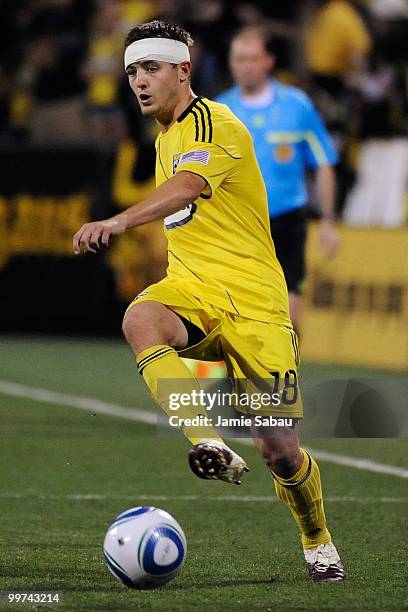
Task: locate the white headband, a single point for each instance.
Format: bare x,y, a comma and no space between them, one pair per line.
159,49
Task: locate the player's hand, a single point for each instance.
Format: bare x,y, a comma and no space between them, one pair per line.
328,238
92,237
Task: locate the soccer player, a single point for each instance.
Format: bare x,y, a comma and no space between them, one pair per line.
224,296
289,137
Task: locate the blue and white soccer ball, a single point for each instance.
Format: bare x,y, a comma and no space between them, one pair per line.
145,547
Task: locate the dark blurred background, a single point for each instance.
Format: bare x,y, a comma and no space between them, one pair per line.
73,147
62,78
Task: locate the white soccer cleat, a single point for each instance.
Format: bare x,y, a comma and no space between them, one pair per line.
214,460
324,564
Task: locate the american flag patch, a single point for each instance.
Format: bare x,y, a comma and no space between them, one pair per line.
201,157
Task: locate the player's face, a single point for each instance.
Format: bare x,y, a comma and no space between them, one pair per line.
156,86
249,62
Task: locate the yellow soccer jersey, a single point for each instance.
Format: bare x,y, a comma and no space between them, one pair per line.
220,246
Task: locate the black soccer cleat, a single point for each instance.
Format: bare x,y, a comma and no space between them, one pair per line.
213,460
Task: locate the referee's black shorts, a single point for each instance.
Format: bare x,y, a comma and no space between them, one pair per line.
289,235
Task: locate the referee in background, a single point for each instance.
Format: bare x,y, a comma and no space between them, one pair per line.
289,138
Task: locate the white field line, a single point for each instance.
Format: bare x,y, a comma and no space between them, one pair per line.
88,404
200,498
355,462
143,416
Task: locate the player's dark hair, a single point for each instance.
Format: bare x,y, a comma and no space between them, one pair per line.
159,29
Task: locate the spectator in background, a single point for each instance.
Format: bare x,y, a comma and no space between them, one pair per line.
337,43
51,70
102,71
336,46
10,41
378,197
137,12
211,23
283,23
289,137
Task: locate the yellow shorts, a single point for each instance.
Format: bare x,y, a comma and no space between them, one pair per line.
258,355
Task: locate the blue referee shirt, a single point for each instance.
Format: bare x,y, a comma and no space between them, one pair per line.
289,136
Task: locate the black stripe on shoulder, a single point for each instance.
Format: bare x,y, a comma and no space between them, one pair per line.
195,115
202,122
210,125
187,110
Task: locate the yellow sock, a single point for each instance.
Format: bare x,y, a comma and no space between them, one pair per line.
303,495
162,362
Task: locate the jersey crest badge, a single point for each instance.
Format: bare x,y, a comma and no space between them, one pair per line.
284,153
176,161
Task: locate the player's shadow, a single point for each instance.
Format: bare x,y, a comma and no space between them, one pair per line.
220,583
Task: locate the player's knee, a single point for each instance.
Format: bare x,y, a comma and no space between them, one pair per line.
147,324
134,326
128,329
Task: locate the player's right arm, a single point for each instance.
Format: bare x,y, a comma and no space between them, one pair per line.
326,189
173,195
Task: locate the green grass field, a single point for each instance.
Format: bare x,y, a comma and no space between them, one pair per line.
66,473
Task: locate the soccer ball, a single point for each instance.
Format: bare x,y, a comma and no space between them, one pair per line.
144,547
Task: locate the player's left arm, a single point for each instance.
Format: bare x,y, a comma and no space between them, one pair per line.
321,155
173,195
